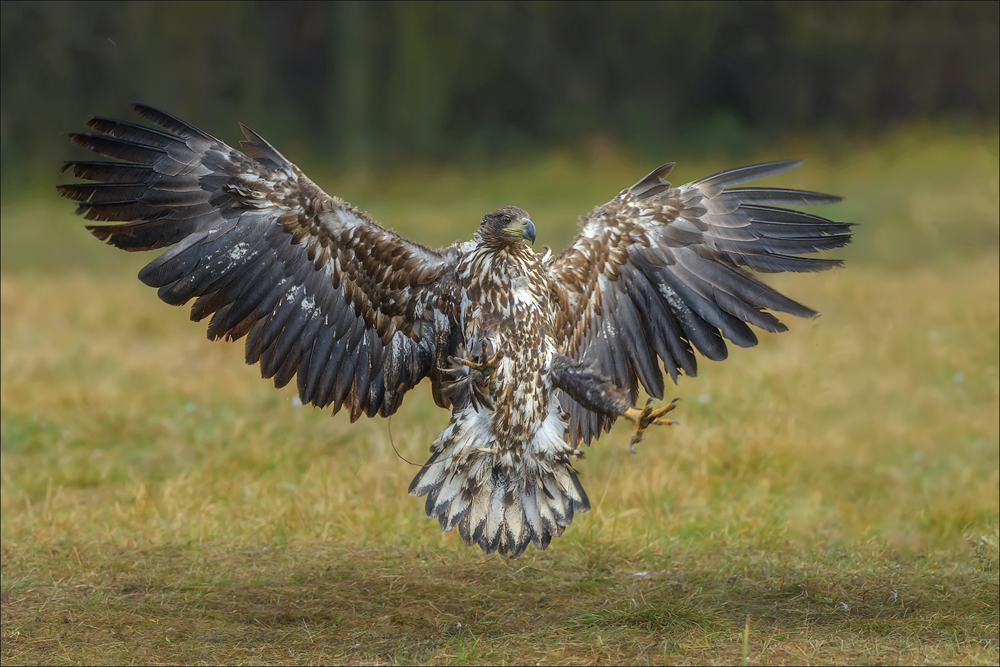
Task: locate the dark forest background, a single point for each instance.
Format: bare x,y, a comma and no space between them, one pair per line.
374,83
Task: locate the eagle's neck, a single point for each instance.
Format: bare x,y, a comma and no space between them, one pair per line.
501,260
505,247
502,281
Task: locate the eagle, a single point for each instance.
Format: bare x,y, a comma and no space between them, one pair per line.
535,354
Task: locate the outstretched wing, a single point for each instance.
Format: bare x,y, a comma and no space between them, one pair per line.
658,271
317,287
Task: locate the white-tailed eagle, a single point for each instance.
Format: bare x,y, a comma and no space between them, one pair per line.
534,353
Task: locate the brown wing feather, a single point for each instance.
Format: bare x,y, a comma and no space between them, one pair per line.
320,290
657,272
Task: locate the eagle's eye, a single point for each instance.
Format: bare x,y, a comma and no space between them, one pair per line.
506,219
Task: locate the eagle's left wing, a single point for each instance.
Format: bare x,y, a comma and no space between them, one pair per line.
659,270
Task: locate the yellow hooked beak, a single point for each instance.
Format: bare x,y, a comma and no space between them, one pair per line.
524,228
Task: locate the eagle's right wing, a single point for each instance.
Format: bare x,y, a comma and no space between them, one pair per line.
319,289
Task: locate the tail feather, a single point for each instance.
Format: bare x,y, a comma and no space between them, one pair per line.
498,501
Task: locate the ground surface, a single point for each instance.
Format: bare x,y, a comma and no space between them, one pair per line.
830,496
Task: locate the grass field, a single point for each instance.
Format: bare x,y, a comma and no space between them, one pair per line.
831,496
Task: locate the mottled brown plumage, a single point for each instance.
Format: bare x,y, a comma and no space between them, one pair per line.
535,354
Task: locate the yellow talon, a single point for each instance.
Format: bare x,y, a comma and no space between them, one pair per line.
648,415
485,367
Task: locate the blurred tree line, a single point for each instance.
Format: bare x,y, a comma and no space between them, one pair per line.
372,82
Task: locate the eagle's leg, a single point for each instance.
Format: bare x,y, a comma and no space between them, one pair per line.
648,415
468,376
599,394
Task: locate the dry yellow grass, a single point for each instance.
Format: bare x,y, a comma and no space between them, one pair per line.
834,490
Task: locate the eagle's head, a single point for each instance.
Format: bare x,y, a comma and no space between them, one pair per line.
508,224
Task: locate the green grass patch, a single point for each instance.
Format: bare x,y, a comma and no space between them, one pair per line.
830,496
